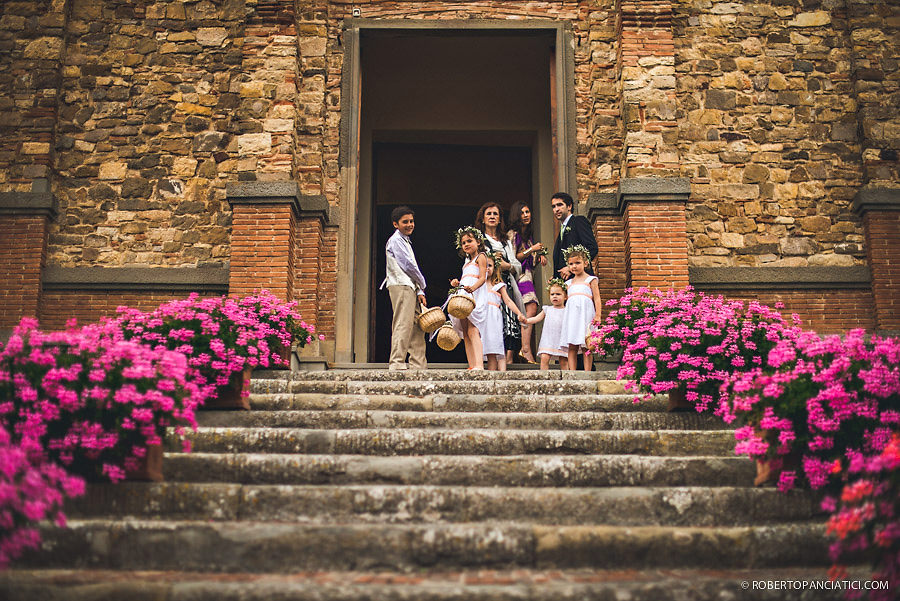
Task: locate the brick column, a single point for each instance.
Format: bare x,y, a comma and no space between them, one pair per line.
880,210
24,220
656,253
263,233
603,212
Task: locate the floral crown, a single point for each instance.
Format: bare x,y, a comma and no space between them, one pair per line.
556,282
472,231
578,249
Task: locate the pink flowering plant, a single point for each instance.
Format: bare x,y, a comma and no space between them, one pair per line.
222,335
818,406
91,399
866,518
31,490
681,339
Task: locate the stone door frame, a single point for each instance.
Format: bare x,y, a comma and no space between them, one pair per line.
351,87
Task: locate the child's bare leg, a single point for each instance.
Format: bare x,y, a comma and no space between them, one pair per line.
476,361
564,363
573,357
531,309
588,361
501,363
491,363
545,361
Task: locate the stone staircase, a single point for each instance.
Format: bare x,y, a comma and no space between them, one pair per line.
437,485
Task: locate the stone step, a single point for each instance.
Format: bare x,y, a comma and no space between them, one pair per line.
460,470
277,547
437,375
455,402
379,441
628,506
428,387
572,420
706,584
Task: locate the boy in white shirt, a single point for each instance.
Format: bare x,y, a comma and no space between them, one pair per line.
406,285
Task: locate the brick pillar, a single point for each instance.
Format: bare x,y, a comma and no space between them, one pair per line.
263,234
603,212
24,220
880,210
656,252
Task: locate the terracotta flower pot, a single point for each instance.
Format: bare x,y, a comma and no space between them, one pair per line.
678,401
149,468
231,395
285,354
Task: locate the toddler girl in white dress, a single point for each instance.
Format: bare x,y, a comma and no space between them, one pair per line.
552,316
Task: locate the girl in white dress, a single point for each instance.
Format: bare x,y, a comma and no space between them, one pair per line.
552,315
492,334
470,242
582,308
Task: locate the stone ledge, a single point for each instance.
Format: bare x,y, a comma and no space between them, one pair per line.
672,189
637,189
876,199
602,204
780,278
303,205
27,203
166,279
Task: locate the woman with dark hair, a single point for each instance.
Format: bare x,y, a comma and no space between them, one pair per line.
489,220
528,253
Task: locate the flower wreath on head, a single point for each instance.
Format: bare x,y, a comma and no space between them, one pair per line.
472,231
578,249
556,282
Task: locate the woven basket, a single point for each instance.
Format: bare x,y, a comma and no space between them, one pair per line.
460,306
431,319
447,338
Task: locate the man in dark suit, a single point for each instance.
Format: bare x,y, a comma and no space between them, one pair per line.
574,229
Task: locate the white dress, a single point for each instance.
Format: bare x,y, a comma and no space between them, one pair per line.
492,334
479,313
553,322
580,313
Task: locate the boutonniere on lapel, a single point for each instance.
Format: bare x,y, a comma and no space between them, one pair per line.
565,229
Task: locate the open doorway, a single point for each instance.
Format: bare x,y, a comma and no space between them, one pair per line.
444,184
448,119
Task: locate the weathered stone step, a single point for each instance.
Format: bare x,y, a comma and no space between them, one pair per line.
460,470
629,506
436,375
277,547
455,402
706,584
378,441
427,387
572,420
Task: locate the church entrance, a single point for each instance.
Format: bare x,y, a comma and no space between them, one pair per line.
444,184
447,120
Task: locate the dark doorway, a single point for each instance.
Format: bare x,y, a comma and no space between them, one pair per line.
444,184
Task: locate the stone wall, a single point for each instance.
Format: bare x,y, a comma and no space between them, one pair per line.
129,119
768,134
147,134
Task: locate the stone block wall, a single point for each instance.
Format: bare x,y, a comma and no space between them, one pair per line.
133,117
32,43
768,134
148,102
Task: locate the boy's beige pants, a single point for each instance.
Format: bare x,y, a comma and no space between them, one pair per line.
406,336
